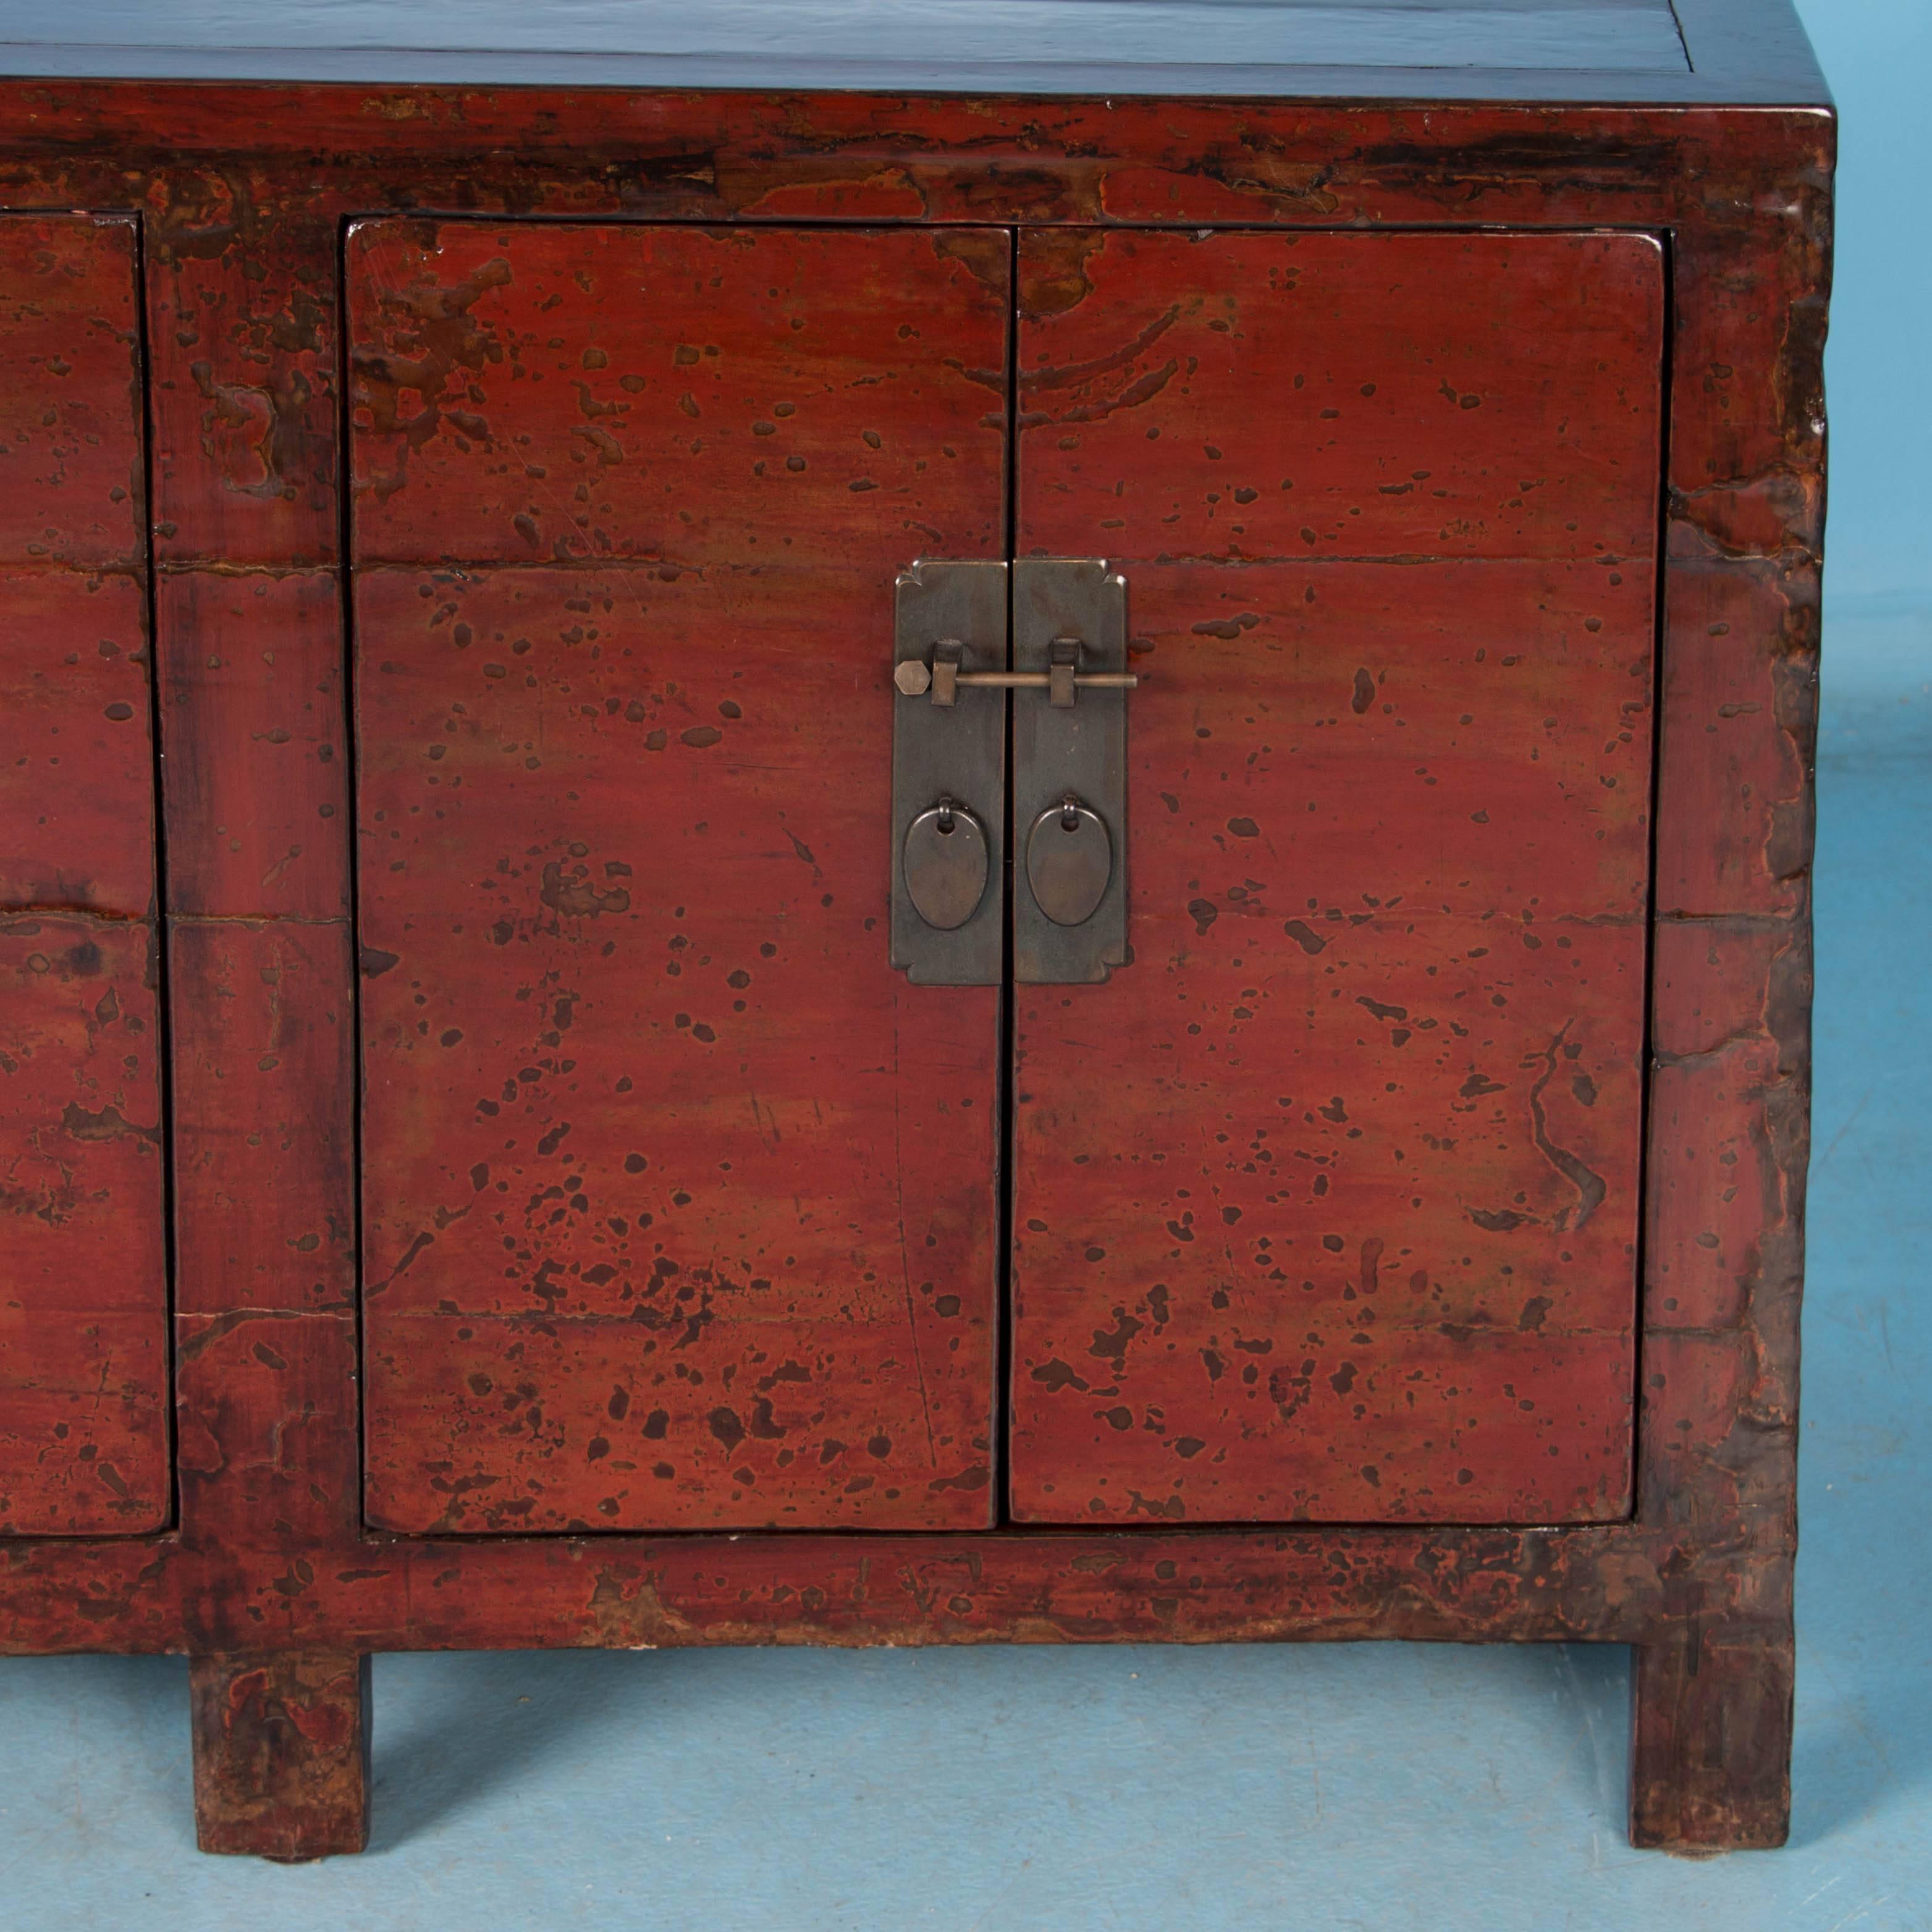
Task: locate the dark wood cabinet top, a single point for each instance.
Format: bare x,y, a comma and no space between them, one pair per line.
1689,51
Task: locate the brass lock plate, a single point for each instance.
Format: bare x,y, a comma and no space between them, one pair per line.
1069,899
949,769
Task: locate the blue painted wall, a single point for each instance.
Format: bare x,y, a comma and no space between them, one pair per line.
1877,55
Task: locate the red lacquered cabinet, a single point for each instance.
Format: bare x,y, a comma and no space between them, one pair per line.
1042,827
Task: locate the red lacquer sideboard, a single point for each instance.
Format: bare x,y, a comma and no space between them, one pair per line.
899,847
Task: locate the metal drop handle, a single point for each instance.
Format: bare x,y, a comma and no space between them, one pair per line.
944,861
1069,860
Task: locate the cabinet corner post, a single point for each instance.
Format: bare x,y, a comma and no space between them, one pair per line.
1711,1743
281,1752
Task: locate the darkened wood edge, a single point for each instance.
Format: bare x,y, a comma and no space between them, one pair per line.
1732,52
281,1753
1619,1583
256,794
1747,44
1710,1763
1765,80
367,134
259,752
1728,1104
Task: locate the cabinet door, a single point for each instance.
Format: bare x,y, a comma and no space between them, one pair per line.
679,1203
1326,1206
83,1284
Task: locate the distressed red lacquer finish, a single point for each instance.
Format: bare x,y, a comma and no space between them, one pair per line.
1327,1206
271,1577
83,1434
678,1200
71,467
76,744
83,1288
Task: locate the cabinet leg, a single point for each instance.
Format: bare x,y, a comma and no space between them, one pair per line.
1710,1745
281,1752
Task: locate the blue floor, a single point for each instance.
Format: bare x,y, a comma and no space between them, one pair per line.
1379,1787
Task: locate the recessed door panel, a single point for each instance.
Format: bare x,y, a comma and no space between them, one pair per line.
1326,1204
83,1285
679,1201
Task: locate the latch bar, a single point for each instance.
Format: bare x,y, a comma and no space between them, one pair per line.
944,679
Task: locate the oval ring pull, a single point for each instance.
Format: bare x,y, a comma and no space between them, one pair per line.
945,862
1069,859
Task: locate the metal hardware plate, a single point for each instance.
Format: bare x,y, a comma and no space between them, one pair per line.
948,743
1067,744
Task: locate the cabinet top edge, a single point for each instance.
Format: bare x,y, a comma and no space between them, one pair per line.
1633,52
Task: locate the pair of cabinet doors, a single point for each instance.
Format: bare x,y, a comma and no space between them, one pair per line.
682,1208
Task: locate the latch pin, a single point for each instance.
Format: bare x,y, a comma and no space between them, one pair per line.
944,679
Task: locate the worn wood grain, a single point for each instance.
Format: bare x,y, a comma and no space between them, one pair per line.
264,1045
257,798
83,1413
242,296
1731,1004
1609,1583
1259,397
679,1201
1711,1758
737,397
71,489
281,1753
1342,1223
1736,721
83,1289
77,745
